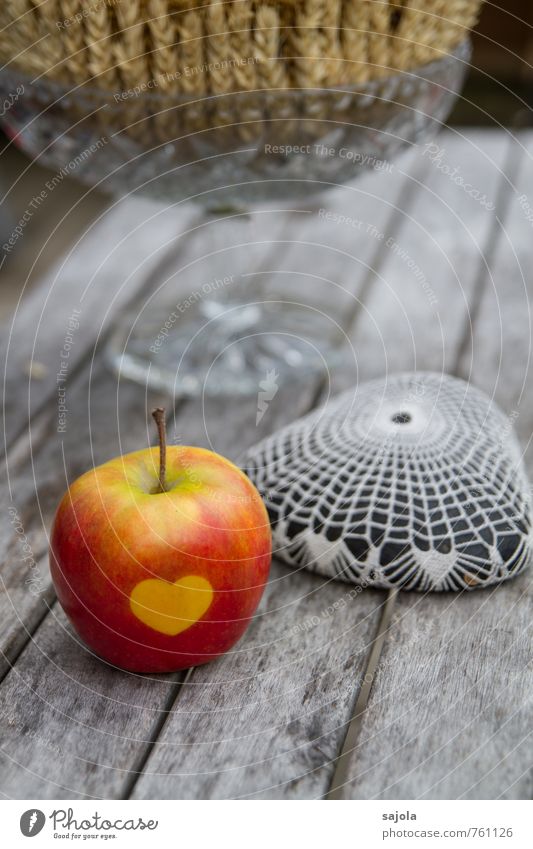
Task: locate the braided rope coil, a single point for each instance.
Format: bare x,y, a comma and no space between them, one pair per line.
215,47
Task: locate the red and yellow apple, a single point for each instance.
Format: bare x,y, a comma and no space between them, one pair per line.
160,557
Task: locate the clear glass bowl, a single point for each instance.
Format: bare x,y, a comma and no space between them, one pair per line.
237,149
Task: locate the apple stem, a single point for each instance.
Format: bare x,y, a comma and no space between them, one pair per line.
159,416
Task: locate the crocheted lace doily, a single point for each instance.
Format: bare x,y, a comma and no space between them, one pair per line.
415,481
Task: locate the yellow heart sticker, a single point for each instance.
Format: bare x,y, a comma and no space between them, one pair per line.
171,608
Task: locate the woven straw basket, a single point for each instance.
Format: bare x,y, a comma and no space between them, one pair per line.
198,47
223,74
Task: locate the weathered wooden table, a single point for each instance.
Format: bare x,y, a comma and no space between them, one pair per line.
425,697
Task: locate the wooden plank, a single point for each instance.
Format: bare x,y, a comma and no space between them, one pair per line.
37,720
32,471
51,231
48,700
76,300
70,725
262,719
59,698
296,772
413,316
497,356
33,468
47,712
263,722
39,466
450,711
336,260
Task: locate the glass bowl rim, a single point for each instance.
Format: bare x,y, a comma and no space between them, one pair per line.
85,90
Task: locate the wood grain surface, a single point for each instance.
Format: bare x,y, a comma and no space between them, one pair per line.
429,278
449,715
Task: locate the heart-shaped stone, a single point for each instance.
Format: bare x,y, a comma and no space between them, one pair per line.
413,481
171,608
